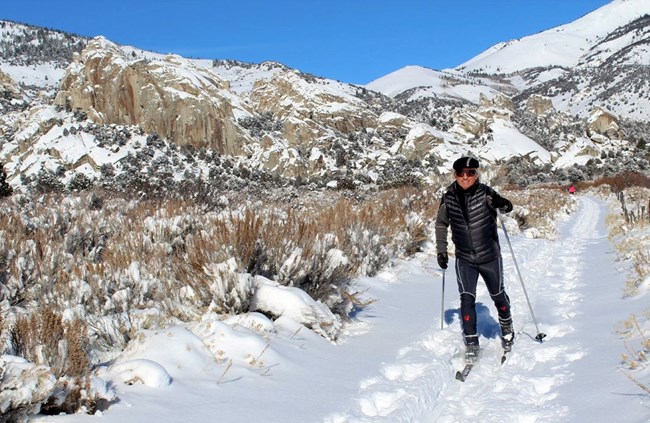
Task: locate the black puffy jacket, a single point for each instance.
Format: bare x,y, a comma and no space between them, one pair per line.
473,227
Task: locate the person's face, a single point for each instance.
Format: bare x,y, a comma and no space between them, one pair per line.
466,177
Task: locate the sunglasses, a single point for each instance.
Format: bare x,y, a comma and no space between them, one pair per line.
468,172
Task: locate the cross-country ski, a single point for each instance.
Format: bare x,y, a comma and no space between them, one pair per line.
462,374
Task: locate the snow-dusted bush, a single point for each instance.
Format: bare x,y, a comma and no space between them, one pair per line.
630,233
124,265
276,300
5,189
231,290
24,387
368,249
636,360
60,346
104,234
537,210
47,181
79,182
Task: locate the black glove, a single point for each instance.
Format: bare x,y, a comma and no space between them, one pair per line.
443,259
502,204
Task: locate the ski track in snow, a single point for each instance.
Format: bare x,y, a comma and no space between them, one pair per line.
419,386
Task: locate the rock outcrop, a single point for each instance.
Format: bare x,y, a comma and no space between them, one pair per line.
170,96
602,122
539,105
309,109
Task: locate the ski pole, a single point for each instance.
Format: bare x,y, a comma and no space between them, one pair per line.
540,336
442,305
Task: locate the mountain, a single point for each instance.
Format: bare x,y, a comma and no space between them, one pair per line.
77,112
614,29
574,64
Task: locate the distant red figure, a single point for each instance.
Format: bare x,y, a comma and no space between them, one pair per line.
572,189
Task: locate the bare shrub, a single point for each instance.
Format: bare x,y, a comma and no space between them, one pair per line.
539,208
43,338
640,257
37,337
126,255
619,182
638,349
76,336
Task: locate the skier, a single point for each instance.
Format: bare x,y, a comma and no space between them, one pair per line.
572,189
469,207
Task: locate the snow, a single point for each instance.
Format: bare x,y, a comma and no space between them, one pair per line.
573,154
561,46
42,75
394,362
435,84
508,142
56,146
147,372
21,381
293,303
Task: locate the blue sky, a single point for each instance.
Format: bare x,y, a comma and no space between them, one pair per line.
354,41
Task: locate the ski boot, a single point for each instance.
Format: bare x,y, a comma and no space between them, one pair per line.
507,337
471,353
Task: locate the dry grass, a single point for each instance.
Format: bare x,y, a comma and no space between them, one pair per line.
627,231
539,208
638,383
128,255
619,182
44,338
641,269
637,349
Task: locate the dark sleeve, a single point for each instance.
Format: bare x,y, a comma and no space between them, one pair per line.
441,226
496,201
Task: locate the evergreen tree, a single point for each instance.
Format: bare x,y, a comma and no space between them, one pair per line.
5,188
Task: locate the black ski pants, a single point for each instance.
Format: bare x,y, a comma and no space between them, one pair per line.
467,277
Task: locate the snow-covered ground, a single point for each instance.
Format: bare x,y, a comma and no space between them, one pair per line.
395,363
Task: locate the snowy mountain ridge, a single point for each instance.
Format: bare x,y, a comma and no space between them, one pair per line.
563,46
573,64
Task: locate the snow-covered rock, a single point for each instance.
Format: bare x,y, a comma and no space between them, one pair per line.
277,300
24,386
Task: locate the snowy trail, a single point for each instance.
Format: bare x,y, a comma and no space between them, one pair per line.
419,386
553,276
